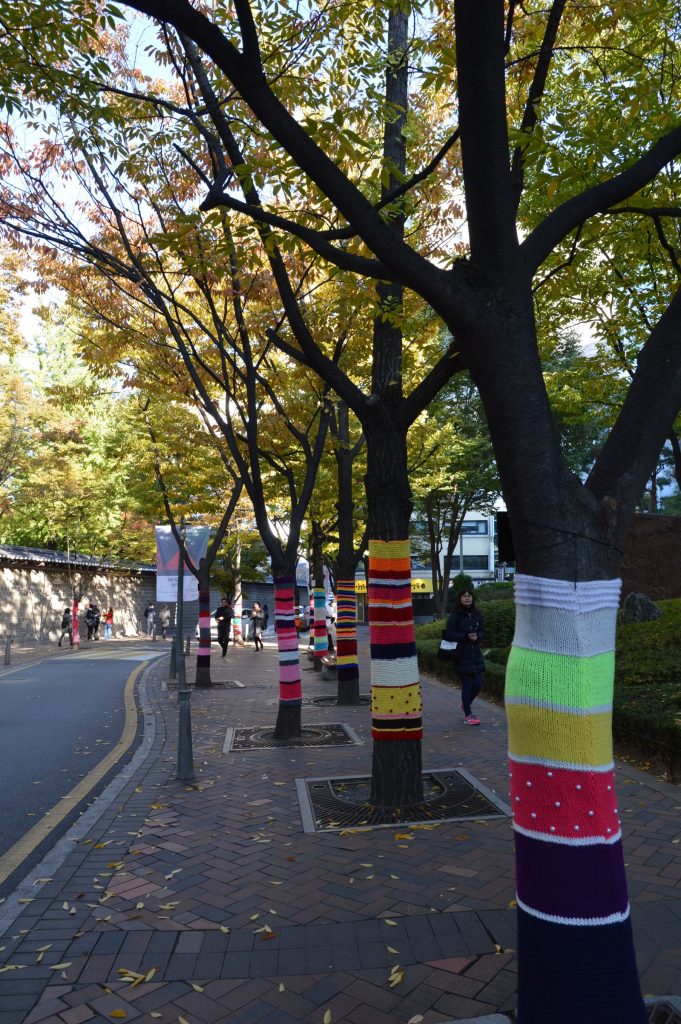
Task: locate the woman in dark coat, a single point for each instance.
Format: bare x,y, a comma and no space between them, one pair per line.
465,625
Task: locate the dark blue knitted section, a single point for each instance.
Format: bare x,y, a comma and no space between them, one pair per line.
577,975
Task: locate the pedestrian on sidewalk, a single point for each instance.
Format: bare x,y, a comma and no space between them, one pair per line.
223,616
150,616
66,627
108,623
91,617
257,618
164,620
465,625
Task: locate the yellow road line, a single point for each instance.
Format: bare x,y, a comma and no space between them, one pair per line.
16,854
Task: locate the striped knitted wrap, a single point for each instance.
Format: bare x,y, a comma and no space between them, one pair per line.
569,859
203,653
290,687
237,605
321,640
395,688
346,631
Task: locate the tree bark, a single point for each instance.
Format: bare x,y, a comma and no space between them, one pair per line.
318,624
237,603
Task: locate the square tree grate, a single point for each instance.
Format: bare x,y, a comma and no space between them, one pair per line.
665,1011
261,737
330,700
451,794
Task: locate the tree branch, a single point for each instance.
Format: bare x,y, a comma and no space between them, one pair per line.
598,199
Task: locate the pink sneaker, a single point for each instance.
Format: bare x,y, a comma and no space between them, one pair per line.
471,720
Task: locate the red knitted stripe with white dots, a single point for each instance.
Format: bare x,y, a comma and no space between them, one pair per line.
564,804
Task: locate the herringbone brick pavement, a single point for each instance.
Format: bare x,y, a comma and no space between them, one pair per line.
208,902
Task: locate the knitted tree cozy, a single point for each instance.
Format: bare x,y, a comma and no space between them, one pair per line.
395,687
290,687
574,930
321,640
346,631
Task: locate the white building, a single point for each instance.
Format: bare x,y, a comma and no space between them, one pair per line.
474,552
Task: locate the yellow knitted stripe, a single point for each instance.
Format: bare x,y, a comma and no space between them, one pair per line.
396,700
390,550
545,735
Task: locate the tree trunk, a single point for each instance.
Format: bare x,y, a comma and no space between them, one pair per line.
203,678
676,452
290,687
575,947
318,621
347,668
237,603
396,781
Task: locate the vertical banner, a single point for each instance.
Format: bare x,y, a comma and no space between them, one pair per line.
168,560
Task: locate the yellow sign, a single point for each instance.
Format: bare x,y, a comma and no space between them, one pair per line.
418,586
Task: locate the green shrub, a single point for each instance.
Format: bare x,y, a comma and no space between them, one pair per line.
499,619
650,652
494,592
430,630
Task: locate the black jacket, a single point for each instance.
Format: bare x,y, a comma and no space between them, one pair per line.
468,656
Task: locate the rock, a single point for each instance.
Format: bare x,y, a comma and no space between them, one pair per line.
639,608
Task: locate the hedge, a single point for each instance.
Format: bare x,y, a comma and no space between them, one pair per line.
647,698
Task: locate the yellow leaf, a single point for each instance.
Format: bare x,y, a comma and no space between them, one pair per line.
181,1020
498,948
44,949
416,1019
197,988
58,967
513,903
12,967
224,929
396,976
139,906
150,974
39,958
327,1017
391,950
387,920
403,835
169,906
24,899
254,917
282,987
118,1014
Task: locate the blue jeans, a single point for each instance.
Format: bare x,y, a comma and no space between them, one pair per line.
471,685
107,630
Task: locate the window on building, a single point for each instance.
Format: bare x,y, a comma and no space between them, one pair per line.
475,562
474,527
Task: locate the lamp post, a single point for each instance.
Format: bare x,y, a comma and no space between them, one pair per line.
185,757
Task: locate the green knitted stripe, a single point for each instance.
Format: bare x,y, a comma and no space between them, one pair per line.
560,679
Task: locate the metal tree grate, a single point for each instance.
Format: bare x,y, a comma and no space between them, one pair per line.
262,737
663,1012
330,700
451,794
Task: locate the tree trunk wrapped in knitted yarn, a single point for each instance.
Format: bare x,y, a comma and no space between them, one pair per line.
395,689
290,687
573,911
203,653
346,635
321,641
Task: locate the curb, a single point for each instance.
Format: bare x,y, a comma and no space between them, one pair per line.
56,856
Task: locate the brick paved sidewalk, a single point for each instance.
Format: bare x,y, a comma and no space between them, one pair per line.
209,903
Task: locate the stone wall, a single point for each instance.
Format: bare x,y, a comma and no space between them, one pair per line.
652,557
32,601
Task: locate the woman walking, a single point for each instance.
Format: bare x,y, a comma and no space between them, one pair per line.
466,626
257,619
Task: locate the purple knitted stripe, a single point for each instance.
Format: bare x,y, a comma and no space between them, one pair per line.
576,883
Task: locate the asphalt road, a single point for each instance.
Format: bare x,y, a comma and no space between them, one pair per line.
58,719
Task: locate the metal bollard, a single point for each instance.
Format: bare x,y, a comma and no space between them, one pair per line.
187,644
8,644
